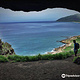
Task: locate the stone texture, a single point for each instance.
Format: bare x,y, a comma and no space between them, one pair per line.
5,48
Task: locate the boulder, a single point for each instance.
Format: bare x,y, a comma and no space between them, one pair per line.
5,48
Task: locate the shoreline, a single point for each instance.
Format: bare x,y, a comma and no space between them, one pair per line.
66,43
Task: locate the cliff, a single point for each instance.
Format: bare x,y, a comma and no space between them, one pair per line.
71,18
5,48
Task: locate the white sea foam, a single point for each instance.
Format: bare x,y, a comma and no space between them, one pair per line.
62,45
53,50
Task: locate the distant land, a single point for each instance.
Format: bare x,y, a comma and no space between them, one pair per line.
71,18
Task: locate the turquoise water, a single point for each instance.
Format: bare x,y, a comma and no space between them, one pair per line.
35,38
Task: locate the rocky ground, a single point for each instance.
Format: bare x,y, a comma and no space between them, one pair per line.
39,70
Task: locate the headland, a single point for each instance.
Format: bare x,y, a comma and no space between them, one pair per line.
66,43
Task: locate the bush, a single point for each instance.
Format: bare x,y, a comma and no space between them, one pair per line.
39,57
59,56
33,58
25,58
13,57
18,58
3,59
47,57
78,50
74,59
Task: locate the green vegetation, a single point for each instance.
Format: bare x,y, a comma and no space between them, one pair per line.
17,58
62,55
78,39
68,48
71,18
3,59
74,59
77,60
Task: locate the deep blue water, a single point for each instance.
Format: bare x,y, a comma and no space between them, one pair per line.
35,38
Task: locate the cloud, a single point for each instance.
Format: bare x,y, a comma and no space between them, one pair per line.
7,15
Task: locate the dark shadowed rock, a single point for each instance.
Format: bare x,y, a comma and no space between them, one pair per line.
77,61
12,50
7,51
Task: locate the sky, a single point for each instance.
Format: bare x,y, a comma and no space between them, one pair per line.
49,14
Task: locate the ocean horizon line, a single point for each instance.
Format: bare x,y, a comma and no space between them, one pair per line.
29,22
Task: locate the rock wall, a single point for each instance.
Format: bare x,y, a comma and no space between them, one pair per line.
5,48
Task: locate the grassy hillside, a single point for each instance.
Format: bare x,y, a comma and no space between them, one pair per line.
71,18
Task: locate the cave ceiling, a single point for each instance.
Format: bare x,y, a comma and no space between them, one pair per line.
38,5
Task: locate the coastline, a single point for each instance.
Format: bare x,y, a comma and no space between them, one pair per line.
66,43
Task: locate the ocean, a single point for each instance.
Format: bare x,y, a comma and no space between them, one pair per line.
32,38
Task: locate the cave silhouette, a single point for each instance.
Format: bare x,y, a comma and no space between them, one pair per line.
38,5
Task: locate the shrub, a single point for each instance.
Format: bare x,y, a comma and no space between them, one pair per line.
78,50
25,58
74,59
33,58
71,52
14,57
47,57
59,55
62,55
18,58
3,59
39,57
